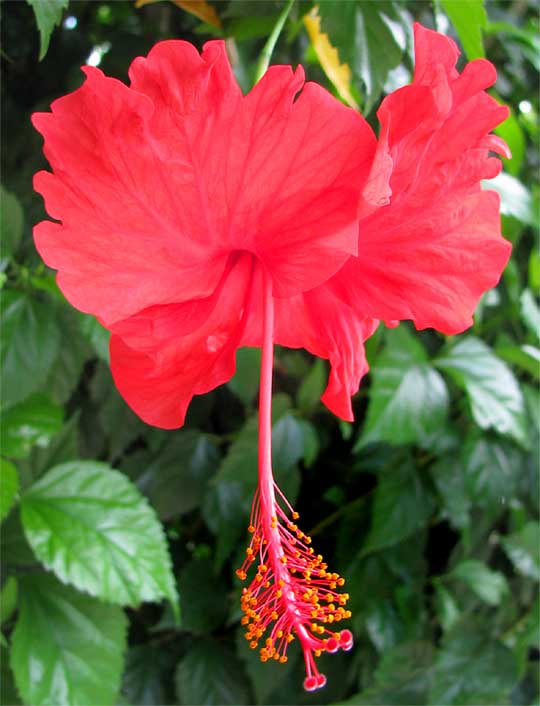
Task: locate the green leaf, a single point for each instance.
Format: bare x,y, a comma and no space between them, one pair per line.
120,425
468,18
287,443
369,38
523,550
384,626
226,511
204,602
32,422
8,599
11,222
493,391
408,397
9,487
29,345
489,468
401,507
310,442
242,28
8,691
401,678
48,15
490,586
63,447
179,474
516,199
144,673
67,648
245,382
312,386
511,132
530,312
449,480
211,674
534,271
472,669
15,550
526,357
96,335
90,525
66,371
447,608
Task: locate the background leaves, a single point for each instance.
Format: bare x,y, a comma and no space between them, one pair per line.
428,504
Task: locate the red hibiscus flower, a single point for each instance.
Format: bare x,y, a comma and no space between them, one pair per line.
195,220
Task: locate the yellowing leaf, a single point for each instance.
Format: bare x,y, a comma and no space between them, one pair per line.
339,74
199,8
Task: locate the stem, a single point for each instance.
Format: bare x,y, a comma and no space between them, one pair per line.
266,54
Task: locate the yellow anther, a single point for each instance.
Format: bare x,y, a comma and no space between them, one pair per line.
283,659
279,633
279,594
281,583
269,642
295,515
274,615
283,559
253,644
341,582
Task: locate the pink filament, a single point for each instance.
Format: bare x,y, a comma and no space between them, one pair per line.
292,588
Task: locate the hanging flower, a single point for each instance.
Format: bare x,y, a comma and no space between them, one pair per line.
195,220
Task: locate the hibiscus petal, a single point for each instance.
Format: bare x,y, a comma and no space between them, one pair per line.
123,243
163,356
155,185
280,175
431,252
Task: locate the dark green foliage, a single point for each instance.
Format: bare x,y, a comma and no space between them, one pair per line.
428,504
